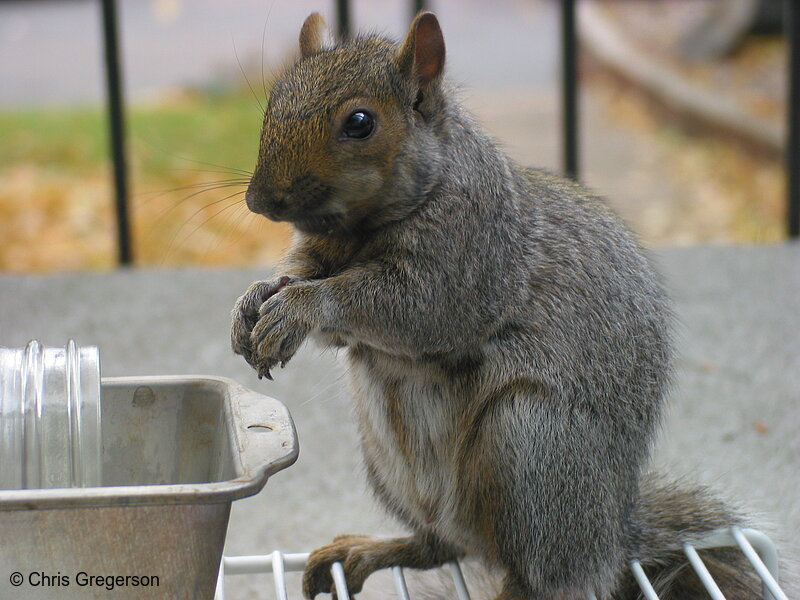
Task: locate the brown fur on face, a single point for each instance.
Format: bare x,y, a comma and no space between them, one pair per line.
302,139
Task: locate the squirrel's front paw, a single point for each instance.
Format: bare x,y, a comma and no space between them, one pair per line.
285,320
353,551
245,312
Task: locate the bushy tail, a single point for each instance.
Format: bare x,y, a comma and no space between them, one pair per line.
670,515
673,515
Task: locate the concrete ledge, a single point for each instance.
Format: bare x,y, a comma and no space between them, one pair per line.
733,422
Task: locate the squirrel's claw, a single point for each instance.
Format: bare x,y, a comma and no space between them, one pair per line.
264,370
245,316
359,556
282,328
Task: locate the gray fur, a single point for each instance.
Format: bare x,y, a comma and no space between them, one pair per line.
508,339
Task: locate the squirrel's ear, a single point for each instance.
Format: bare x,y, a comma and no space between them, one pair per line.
314,35
421,54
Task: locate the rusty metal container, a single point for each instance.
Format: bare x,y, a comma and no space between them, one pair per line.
176,452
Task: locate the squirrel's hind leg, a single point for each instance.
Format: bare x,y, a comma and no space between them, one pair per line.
544,493
362,555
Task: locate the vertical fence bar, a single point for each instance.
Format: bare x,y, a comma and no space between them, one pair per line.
462,593
279,576
702,572
792,14
569,89
400,583
343,19
219,592
339,581
416,6
117,128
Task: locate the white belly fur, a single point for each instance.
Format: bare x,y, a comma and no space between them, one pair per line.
417,468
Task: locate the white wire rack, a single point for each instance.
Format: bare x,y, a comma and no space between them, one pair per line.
756,546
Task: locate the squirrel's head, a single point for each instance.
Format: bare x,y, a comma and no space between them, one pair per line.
350,131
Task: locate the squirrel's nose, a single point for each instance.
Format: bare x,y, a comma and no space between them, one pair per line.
265,200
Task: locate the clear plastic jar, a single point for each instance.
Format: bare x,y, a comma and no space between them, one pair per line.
50,430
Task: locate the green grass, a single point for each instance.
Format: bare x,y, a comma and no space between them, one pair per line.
72,140
221,129
217,130
56,193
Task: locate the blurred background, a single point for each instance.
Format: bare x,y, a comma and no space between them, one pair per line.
682,110
681,124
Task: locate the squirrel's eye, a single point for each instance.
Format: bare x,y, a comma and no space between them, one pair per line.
359,125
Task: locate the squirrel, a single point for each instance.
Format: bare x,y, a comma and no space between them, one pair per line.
508,340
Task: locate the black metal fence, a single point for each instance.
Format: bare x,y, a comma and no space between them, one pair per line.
793,116
116,115
569,108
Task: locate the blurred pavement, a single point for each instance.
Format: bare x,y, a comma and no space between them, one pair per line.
52,51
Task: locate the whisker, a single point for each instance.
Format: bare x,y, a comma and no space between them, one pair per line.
231,170
335,383
180,188
241,68
230,220
227,222
214,188
212,203
212,217
186,169
244,215
263,36
161,216
174,242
